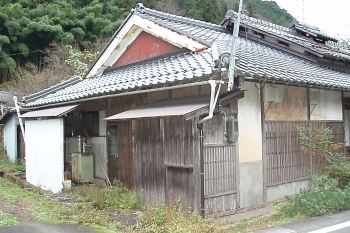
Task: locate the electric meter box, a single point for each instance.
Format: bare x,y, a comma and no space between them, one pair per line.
232,129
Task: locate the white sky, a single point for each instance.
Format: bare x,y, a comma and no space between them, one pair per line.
330,16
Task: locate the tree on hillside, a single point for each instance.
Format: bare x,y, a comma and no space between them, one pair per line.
61,63
206,10
28,27
170,7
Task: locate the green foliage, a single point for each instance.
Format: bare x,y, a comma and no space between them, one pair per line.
79,60
7,219
320,143
28,27
316,201
206,10
267,10
341,173
331,187
5,163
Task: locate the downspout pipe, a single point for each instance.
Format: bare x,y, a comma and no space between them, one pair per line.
201,165
19,117
213,99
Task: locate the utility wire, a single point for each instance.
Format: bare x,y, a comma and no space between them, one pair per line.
15,54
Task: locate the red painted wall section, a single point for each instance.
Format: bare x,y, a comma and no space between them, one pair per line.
145,46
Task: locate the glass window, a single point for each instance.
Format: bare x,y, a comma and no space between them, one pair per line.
113,140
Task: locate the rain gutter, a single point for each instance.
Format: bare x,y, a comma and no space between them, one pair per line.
120,94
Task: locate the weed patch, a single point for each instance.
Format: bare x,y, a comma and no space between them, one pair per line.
114,197
7,219
173,219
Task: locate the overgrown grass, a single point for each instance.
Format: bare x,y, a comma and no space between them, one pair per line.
5,164
173,219
46,210
152,219
115,197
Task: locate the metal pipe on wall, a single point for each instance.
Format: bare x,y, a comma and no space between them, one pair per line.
213,99
19,118
201,164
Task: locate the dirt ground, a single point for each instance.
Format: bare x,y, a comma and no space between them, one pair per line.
17,210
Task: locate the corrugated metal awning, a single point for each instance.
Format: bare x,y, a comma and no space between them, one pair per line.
51,112
189,108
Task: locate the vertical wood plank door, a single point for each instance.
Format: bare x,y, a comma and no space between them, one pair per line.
220,175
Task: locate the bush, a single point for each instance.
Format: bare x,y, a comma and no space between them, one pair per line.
331,186
314,202
340,172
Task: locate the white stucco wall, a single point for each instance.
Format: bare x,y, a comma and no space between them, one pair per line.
44,154
328,105
10,137
347,127
250,147
249,124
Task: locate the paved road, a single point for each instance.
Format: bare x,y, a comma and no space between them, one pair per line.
40,227
336,223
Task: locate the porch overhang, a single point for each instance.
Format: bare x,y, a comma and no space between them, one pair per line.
189,108
50,112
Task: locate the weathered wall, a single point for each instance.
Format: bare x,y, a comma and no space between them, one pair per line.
250,147
125,155
280,191
285,102
326,105
10,137
166,153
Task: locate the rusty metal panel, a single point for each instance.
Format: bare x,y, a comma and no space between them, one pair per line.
284,161
220,188
165,108
51,112
144,47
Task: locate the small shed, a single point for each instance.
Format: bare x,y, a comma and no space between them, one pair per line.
164,149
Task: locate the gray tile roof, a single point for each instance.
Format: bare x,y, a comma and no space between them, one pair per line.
254,59
204,32
312,30
257,60
328,49
181,68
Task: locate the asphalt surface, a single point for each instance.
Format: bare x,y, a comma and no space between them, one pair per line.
41,227
336,223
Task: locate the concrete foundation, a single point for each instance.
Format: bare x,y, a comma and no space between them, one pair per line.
282,190
251,184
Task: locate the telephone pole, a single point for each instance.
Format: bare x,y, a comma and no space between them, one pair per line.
232,64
